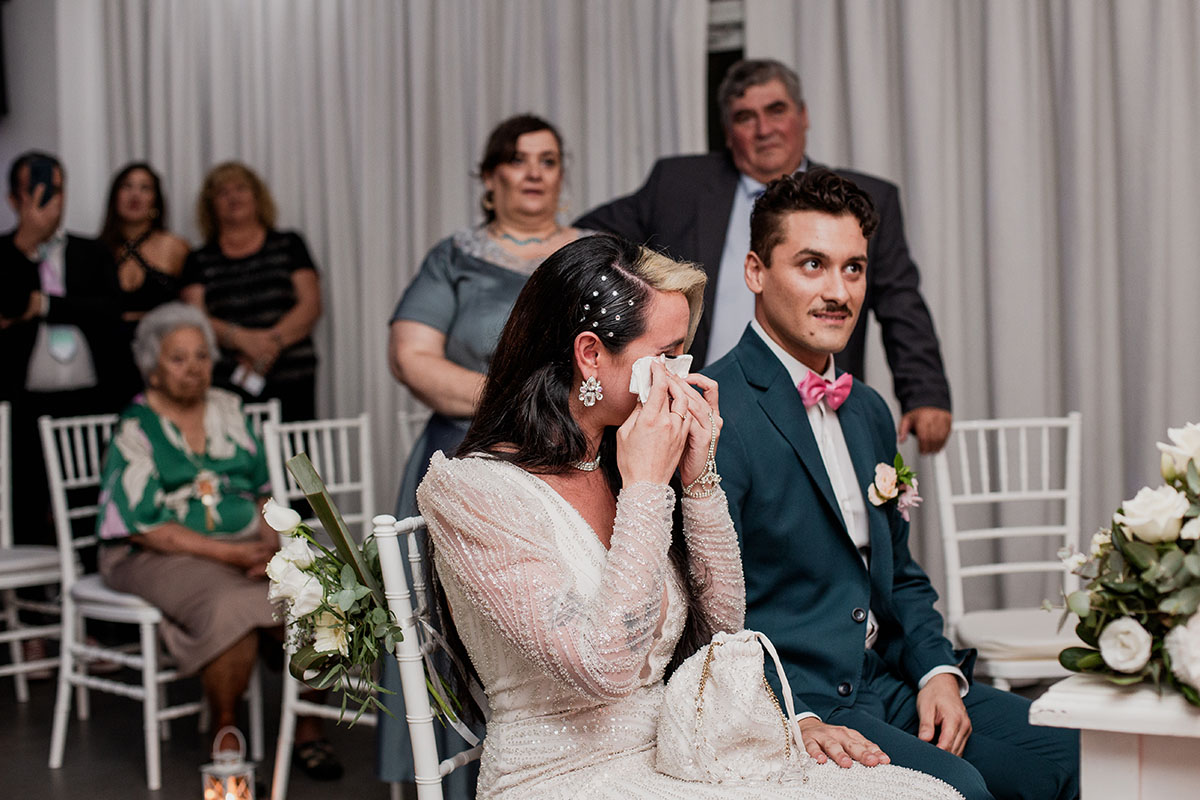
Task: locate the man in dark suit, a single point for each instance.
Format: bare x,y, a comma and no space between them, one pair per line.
60,348
829,576
697,208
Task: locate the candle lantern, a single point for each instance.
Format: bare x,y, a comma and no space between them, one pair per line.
229,776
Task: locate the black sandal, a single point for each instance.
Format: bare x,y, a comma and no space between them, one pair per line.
317,760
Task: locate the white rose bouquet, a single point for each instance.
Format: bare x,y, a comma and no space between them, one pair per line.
1137,609
338,618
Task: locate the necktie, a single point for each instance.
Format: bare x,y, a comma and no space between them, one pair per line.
813,388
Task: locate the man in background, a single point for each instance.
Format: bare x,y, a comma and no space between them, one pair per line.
697,208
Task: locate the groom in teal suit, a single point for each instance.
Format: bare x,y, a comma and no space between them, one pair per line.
829,576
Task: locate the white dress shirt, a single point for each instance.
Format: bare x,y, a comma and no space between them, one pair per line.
835,454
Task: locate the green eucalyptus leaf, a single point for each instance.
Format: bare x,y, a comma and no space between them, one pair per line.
1190,694
1079,603
1183,602
1191,563
1140,554
1125,680
1193,478
1172,560
1080,659
344,599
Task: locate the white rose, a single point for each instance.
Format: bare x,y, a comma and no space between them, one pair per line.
331,634
1190,529
1185,447
1099,539
297,551
300,590
279,517
279,570
1125,645
1154,515
1183,646
308,597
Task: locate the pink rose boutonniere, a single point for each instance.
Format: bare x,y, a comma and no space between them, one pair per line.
897,482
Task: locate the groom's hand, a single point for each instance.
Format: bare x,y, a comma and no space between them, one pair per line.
844,745
940,706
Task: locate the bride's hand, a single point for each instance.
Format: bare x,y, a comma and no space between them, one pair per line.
651,440
700,435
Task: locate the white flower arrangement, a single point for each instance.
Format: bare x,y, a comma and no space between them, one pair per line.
1138,608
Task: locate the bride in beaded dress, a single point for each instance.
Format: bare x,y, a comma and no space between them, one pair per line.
571,582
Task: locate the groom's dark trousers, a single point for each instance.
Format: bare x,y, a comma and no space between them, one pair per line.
808,589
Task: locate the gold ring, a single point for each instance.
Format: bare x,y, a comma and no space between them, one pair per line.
681,415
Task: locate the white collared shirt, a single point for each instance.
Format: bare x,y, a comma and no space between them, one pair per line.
835,455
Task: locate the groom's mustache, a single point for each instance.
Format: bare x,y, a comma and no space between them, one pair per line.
833,308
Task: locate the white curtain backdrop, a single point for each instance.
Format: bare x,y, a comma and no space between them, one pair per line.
1046,154
366,118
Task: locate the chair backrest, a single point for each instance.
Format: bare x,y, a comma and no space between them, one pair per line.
74,452
1012,479
6,531
261,413
412,651
340,450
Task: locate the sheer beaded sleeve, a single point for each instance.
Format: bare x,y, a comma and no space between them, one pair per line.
493,540
715,562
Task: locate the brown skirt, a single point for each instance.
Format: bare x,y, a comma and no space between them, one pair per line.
208,606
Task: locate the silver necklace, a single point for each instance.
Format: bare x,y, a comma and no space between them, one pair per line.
587,466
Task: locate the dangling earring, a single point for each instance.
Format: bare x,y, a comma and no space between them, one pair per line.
590,391
488,203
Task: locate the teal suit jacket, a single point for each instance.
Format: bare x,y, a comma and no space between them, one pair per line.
806,585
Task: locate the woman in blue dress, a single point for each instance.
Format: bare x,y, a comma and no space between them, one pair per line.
446,325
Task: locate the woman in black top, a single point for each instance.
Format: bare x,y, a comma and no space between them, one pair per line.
260,289
149,258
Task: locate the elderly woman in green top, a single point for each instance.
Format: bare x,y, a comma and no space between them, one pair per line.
184,480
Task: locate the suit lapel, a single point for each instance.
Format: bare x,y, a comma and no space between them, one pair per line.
781,403
856,428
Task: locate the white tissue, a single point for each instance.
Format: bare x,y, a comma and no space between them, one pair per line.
639,378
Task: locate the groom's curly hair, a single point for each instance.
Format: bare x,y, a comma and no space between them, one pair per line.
815,190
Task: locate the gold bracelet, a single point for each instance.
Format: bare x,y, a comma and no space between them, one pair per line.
709,480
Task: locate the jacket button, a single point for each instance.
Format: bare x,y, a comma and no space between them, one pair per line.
858,615
844,689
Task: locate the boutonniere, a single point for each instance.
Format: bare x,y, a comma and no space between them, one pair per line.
897,482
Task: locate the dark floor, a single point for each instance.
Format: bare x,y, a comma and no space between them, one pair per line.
104,756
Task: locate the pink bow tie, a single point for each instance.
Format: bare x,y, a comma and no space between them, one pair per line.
814,387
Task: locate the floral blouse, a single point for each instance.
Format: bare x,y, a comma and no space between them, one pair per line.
151,476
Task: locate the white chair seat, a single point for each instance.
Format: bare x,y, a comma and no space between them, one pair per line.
26,557
93,589
1016,634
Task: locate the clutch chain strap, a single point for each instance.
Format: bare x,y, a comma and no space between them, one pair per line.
706,672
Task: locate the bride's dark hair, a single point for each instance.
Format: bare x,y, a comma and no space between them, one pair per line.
597,283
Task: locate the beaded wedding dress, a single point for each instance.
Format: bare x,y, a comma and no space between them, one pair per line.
571,640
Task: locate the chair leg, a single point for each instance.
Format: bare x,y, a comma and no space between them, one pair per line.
12,621
287,735
254,699
150,705
83,705
164,726
62,699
